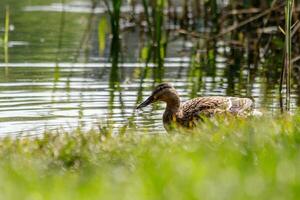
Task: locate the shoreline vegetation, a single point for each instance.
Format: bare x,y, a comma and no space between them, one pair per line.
254,32
255,158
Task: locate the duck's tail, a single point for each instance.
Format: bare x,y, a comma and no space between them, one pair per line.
256,113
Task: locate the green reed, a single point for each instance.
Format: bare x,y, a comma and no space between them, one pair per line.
288,64
157,37
158,16
288,49
102,31
114,11
6,38
147,16
214,10
115,14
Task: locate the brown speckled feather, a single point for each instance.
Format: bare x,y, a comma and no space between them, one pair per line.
194,109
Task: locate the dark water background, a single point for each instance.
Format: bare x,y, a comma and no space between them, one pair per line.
60,78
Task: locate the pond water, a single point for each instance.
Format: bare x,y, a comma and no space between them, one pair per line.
56,77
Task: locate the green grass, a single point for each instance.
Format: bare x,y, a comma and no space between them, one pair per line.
232,159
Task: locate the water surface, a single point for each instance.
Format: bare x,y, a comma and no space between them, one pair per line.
58,78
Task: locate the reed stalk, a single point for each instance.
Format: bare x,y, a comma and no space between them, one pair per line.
114,11
288,50
158,16
115,15
6,38
147,16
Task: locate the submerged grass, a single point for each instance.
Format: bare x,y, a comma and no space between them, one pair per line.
233,159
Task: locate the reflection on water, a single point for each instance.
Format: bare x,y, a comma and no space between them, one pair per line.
65,72
29,103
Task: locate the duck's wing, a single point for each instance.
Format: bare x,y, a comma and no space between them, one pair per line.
240,106
210,106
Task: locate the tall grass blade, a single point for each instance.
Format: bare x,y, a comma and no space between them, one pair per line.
6,38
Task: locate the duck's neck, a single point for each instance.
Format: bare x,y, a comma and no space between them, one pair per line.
173,105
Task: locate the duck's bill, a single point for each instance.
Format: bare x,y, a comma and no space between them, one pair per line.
145,103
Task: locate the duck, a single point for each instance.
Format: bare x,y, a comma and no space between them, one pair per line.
188,114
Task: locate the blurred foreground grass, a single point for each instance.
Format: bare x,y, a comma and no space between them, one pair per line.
233,159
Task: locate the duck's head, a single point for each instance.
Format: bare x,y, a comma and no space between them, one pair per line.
164,92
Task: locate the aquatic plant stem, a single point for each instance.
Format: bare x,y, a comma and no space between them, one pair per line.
6,38
288,50
149,24
115,15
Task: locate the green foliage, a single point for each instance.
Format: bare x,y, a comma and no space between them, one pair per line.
102,31
223,159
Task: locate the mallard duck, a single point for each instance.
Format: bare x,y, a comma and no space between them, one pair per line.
188,114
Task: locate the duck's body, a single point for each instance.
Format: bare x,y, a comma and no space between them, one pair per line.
187,114
190,112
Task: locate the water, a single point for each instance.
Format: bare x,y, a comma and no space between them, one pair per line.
59,78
